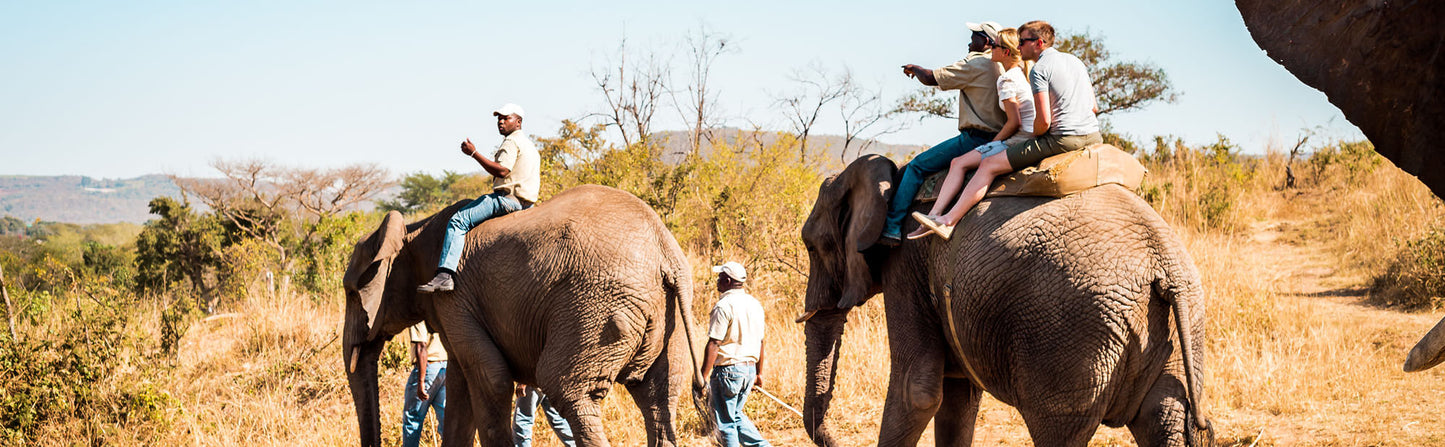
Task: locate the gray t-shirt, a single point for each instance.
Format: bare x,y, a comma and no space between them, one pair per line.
1070,91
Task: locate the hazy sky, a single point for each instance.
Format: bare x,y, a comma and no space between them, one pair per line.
119,89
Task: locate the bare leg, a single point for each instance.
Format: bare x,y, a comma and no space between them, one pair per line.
951,184
990,168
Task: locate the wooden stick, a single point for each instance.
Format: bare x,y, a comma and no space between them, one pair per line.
9,311
779,401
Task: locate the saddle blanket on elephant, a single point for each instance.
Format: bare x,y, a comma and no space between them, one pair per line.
1057,176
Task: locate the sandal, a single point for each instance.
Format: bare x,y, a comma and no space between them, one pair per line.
941,229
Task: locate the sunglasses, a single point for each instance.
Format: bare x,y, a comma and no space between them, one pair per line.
1024,41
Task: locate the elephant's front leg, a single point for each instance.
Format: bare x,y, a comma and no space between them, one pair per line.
459,429
915,379
487,381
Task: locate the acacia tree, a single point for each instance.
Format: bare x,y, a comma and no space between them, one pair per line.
816,89
703,48
633,92
863,109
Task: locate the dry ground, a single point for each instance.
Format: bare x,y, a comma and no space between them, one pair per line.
1295,358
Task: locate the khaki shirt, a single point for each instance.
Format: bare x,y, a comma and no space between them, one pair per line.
737,323
434,350
975,77
518,154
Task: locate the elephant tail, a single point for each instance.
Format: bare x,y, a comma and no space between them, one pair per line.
1185,295
679,291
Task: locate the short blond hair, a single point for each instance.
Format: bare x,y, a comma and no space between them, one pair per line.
1040,29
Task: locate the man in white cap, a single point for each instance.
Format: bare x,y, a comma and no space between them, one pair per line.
979,119
516,178
735,346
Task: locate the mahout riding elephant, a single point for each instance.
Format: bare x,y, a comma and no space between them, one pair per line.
579,292
1077,311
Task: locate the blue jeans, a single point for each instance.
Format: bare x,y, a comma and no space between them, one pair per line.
728,390
481,209
522,419
931,161
413,413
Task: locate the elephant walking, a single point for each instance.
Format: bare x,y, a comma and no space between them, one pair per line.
1077,311
570,296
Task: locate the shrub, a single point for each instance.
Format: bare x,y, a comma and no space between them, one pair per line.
1415,279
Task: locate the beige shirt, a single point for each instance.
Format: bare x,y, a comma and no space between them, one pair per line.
434,350
518,154
975,77
737,323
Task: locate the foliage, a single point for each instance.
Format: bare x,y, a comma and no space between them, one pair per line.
1198,185
179,245
1343,164
1415,279
422,192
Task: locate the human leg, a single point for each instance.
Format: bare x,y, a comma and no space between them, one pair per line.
558,423
951,184
748,434
438,393
925,164
413,411
462,221
977,186
524,416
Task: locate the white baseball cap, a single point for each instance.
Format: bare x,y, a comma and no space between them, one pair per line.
509,109
734,270
989,29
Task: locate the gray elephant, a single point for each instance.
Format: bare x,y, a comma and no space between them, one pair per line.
1076,311
570,296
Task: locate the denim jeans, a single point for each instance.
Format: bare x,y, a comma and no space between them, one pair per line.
481,209
728,390
525,415
413,413
929,162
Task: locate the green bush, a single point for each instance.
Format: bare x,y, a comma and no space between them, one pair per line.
1415,279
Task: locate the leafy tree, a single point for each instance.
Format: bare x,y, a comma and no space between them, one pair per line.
421,191
180,244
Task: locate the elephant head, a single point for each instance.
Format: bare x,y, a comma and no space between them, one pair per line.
844,271
370,320
1380,62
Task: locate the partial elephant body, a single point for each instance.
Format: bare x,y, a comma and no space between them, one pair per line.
582,291
1063,308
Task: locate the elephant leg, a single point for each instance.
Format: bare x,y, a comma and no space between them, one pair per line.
958,414
1064,430
487,378
1162,417
915,380
657,394
459,429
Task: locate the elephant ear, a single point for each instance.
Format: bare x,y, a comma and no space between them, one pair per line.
373,255
866,186
1379,62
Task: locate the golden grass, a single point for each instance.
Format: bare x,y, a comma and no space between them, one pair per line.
1293,356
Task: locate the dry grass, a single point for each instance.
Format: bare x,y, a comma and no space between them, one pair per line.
1294,356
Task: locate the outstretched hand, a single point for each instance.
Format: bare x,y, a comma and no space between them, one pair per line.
911,70
468,148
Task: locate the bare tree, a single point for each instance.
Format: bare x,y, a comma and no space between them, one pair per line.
817,88
256,195
633,92
703,48
862,109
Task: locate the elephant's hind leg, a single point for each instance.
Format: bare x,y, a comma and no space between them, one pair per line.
658,392
1162,418
954,423
1064,430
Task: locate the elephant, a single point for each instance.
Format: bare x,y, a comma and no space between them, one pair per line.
572,295
1077,311
1381,64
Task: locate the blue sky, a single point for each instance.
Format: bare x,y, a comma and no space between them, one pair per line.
119,89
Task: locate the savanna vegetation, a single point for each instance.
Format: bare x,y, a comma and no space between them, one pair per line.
217,322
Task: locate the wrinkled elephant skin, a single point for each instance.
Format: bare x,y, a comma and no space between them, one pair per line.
584,290
1078,311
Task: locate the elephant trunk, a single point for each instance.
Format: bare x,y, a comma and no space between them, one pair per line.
824,336
1430,351
361,364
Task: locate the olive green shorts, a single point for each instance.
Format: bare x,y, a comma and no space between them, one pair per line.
1033,150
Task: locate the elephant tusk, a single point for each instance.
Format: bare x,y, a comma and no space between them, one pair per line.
355,352
805,316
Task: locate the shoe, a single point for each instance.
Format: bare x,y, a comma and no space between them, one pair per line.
890,240
922,231
941,229
440,283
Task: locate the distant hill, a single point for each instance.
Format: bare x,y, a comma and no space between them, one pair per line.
80,199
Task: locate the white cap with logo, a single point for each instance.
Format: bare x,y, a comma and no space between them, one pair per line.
733,269
509,109
989,29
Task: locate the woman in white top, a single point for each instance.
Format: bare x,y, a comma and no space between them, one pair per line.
1016,100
